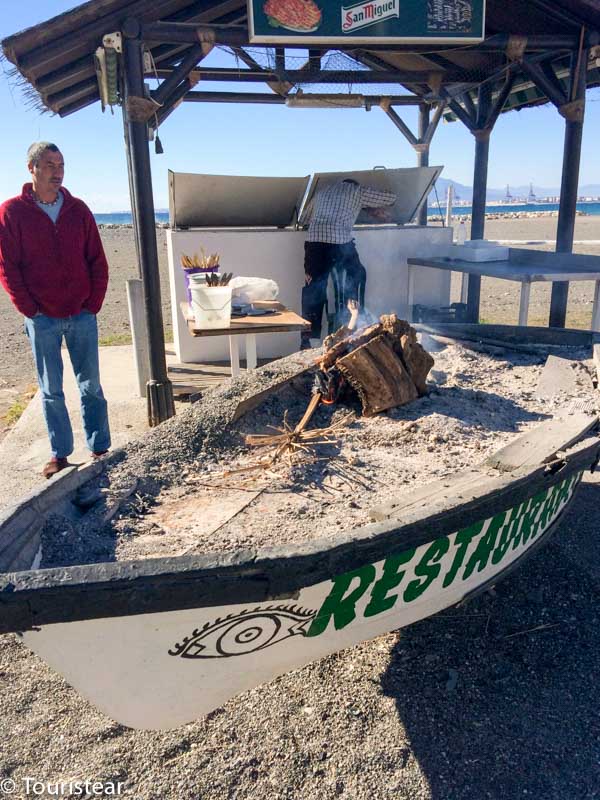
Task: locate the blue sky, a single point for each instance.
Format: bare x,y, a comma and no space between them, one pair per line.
268,140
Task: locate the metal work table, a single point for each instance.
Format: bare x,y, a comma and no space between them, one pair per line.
283,321
526,267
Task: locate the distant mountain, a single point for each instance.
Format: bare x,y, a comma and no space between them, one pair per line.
589,189
461,192
466,192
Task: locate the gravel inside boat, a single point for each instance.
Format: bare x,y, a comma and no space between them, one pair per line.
186,487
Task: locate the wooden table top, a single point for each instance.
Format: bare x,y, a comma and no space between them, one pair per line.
283,321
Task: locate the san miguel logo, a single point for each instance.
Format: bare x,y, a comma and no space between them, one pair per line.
364,14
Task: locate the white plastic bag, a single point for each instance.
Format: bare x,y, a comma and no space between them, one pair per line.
249,290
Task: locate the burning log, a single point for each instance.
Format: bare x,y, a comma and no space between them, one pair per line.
383,363
378,376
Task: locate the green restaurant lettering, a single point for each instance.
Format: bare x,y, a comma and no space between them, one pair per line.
507,531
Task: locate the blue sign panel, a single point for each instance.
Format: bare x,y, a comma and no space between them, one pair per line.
376,21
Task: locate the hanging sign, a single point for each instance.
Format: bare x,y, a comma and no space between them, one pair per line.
375,21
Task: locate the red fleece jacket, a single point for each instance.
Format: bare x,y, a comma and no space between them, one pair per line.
58,270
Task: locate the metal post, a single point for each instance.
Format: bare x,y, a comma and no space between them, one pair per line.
131,192
482,148
449,204
159,391
423,156
139,336
569,184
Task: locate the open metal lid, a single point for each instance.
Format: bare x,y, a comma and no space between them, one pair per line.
229,201
411,185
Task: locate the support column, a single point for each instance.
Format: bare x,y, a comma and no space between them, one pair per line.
423,155
159,391
131,192
482,148
574,112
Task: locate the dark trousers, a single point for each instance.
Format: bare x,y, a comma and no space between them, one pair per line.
341,261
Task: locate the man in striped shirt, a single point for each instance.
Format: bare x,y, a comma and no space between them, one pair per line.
329,246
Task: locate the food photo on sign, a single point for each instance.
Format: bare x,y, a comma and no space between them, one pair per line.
367,20
302,16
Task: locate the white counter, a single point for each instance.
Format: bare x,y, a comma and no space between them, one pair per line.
279,254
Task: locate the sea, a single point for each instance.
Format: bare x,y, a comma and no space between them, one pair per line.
124,218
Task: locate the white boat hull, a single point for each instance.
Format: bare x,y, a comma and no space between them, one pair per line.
161,670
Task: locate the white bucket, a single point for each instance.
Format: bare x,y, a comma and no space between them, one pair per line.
211,305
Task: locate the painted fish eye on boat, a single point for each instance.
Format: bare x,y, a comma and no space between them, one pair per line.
243,633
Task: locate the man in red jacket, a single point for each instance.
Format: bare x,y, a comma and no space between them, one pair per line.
53,267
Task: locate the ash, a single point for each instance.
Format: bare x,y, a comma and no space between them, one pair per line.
189,486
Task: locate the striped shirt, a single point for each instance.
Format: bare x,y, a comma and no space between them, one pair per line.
336,209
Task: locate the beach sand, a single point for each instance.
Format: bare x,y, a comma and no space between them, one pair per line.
499,299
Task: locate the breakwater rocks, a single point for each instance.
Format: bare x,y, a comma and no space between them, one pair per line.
507,215
107,226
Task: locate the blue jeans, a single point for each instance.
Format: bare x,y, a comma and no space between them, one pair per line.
80,333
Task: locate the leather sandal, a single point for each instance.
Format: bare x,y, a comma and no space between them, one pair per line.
55,465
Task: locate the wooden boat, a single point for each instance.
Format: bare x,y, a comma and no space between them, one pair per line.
157,643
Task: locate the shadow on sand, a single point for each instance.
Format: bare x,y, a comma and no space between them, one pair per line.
498,697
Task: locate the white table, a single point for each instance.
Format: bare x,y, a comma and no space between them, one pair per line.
526,267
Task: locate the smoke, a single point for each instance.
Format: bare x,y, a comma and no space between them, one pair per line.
429,344
365,317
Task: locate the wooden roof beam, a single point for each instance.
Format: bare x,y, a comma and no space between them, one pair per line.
72,94
499,102
200,10
467,102
433,123
422,142
189,33
467,120
402,126
278,86
173,101
300,76
191,60
551,88
66,76
182,32
258,97
77,105
234,97
223,74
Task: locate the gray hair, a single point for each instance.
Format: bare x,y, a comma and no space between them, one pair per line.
37,150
